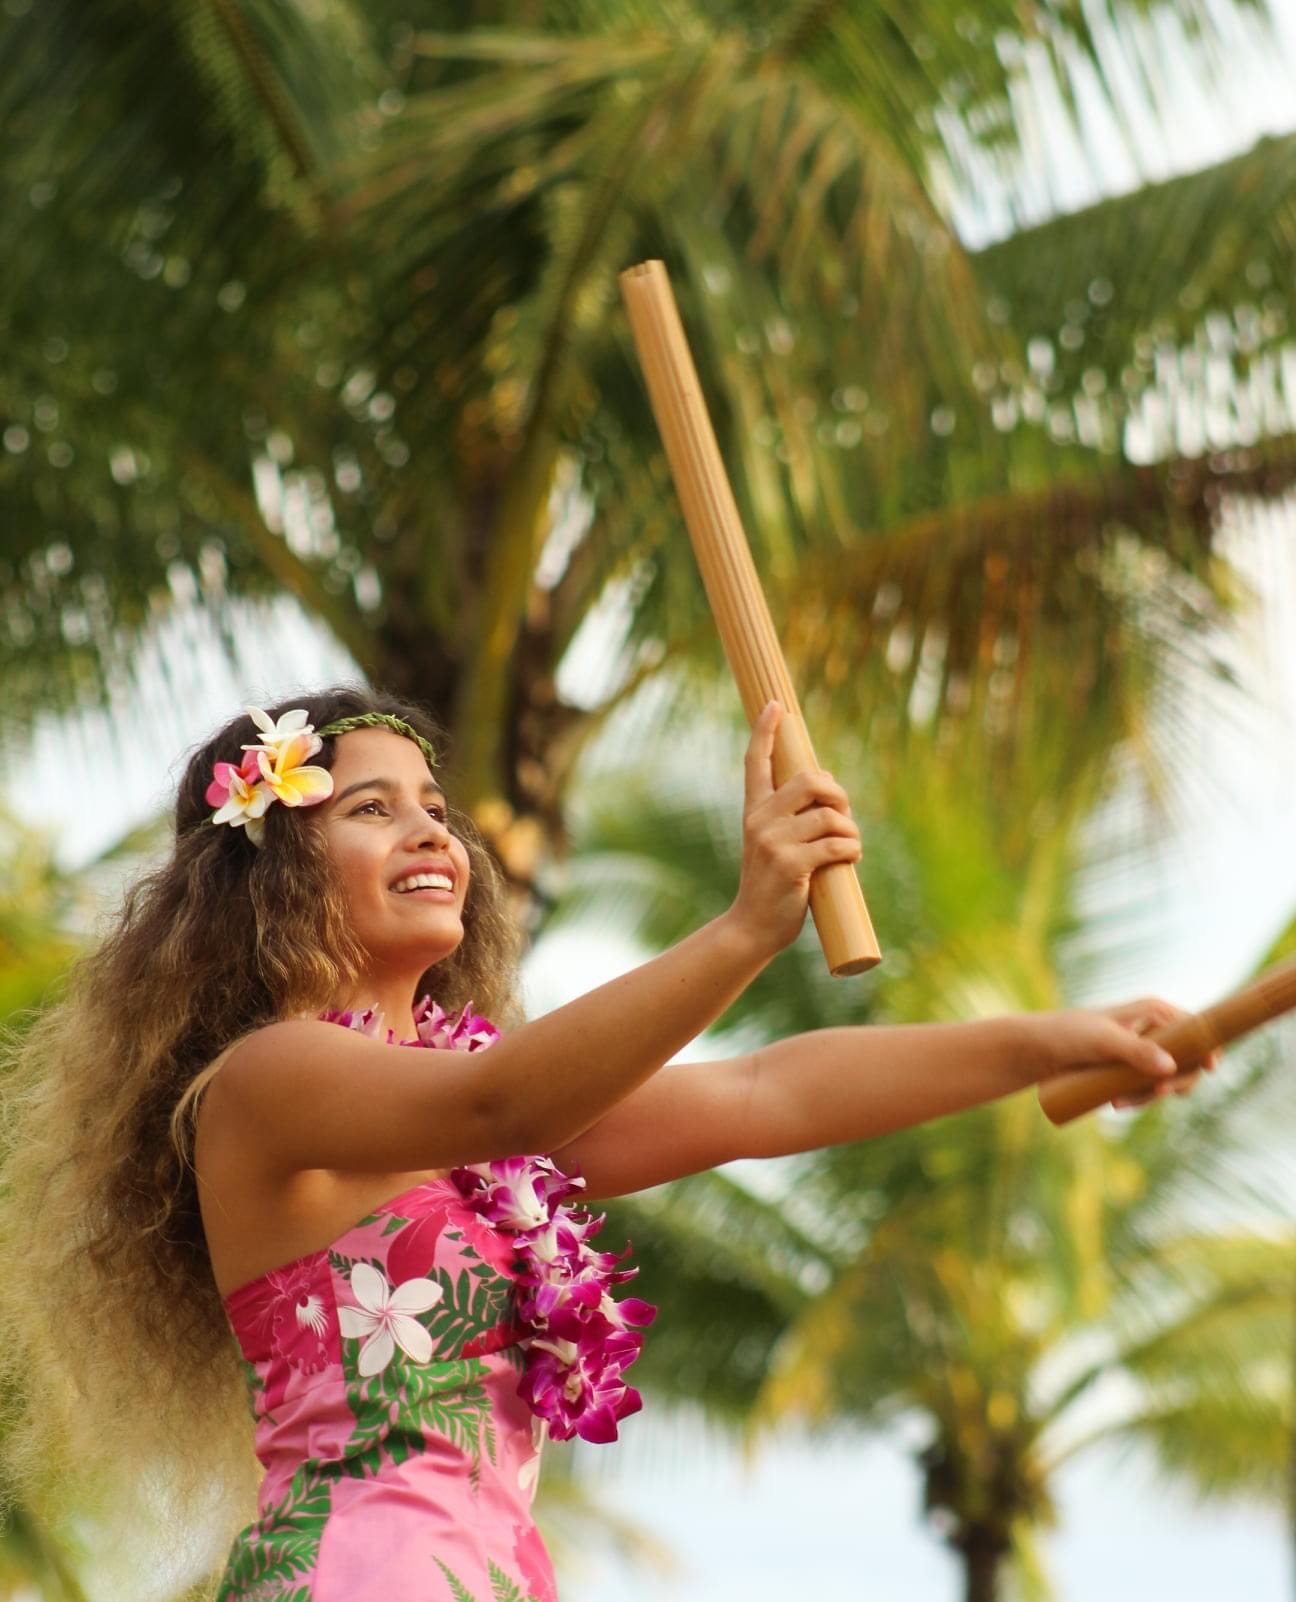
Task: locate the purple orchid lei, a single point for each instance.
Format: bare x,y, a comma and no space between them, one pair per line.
578,1341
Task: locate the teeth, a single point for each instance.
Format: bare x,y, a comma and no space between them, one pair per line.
424,881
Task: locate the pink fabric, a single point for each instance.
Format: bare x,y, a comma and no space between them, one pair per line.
400,1460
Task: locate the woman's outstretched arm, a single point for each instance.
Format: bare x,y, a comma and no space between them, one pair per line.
829,1086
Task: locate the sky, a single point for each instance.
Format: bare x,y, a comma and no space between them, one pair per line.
841,1518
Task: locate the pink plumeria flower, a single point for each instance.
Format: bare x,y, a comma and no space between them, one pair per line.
218,791
385,1318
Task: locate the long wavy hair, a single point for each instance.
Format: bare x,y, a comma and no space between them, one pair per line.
114,1350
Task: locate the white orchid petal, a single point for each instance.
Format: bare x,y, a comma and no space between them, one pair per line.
369,1288
355,1323
376,1352
415,1296
411,1337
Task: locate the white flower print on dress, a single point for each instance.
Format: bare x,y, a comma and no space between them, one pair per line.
384,1319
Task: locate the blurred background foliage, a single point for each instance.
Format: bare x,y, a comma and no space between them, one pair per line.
311,300
1018,1298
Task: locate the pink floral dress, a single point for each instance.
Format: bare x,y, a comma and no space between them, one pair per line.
403,1380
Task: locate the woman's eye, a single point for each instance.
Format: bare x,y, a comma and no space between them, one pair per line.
438,812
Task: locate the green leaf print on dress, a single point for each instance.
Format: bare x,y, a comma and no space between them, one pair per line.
473,1304
502,1588
282,1545
395,1408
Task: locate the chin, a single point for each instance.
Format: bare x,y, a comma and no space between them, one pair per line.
430,955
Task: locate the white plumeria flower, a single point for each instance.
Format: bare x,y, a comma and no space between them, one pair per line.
384,1320
291,726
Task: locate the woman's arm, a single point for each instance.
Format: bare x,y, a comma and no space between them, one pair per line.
309,1095
834,1085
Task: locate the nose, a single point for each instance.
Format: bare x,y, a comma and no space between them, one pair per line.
424,829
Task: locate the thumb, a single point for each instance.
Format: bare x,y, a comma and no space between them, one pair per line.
759,764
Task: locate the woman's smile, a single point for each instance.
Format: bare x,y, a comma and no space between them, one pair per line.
426,879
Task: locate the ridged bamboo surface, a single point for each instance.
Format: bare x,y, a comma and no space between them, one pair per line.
733,587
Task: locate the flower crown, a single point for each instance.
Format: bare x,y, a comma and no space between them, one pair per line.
275,767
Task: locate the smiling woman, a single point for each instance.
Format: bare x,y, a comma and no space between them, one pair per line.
237,930
222,1166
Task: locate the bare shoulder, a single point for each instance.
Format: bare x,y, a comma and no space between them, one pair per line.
309,1095
249,1076
284,1060
285,1159
293,1040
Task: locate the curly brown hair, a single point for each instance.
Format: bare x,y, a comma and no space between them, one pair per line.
123,1356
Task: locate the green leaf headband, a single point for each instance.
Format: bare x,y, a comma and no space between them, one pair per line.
373,720
274,768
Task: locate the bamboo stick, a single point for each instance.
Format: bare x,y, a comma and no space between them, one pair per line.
732,586
1189,1040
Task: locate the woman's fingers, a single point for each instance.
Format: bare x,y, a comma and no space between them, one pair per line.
759,762
1141,1052
1150,1014
1143,1018
1180,1085
835,848
804,791
821,821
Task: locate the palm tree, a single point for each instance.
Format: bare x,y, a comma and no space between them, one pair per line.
322,302
1025,1296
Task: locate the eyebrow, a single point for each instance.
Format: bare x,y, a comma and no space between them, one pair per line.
387,787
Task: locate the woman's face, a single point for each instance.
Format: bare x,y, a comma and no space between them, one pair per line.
384,824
